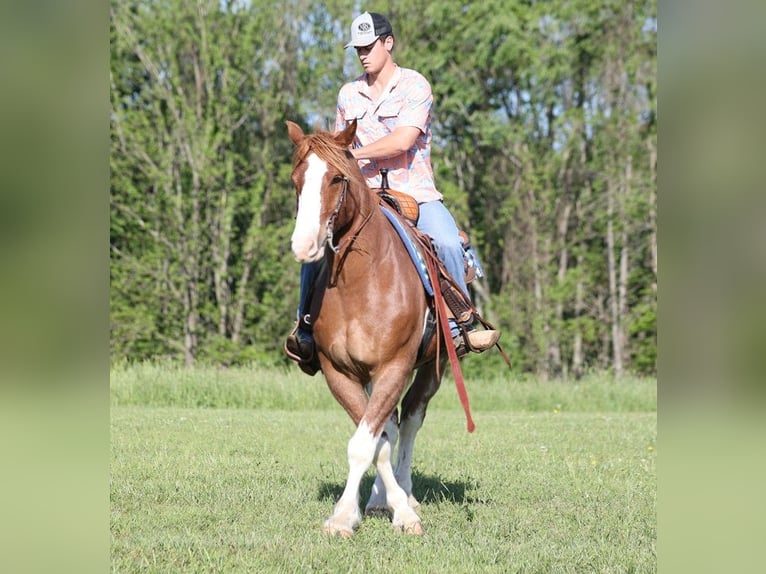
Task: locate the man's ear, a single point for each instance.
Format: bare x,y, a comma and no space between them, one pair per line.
345,137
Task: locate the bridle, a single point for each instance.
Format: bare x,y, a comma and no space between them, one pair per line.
333,217
343,247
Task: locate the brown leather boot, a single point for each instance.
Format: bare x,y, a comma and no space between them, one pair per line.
478,341
301,350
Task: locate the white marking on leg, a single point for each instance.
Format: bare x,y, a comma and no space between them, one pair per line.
404,517
408,430
361,452
307,243
377,504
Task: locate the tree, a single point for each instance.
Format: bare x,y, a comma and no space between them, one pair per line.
544,147
199,91
543,122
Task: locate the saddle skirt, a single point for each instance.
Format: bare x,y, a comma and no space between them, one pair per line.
472,265
416,242
412,248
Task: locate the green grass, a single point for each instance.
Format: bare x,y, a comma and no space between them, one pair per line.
289,389
234,471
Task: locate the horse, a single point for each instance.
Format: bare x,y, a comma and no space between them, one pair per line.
369,327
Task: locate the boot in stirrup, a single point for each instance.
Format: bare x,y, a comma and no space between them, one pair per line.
299,346
478,341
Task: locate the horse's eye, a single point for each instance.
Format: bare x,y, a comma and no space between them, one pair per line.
337,179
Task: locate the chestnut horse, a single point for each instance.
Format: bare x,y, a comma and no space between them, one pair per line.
369,326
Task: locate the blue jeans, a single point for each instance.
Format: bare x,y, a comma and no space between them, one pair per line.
308,274
435,221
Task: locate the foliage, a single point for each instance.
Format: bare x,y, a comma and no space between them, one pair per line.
545,149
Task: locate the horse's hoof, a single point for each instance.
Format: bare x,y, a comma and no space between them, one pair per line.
332,530
413,529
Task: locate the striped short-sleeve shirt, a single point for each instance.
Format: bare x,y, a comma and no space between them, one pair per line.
406,101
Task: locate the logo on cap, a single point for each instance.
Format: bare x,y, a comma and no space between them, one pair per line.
364,26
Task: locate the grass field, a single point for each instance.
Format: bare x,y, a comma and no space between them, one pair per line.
235,470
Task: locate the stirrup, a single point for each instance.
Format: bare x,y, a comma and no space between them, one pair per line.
302,352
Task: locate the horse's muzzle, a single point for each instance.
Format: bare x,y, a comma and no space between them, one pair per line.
307,250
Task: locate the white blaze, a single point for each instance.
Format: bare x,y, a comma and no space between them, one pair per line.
308,235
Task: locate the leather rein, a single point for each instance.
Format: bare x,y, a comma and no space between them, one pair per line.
343,247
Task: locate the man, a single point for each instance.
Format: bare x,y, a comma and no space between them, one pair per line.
392,107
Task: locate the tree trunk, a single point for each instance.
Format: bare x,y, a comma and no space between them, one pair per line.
541,359
563,225
653,208
242,296
622,286
616,340
579,311
220,251
190,325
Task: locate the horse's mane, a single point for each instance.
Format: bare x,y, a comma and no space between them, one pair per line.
324,145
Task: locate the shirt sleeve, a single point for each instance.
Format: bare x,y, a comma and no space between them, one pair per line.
416,109
340,122
346,108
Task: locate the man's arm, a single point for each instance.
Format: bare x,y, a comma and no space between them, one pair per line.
392,145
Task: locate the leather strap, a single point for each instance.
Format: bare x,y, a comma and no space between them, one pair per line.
442,324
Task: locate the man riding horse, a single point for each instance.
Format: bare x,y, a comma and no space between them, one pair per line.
392,108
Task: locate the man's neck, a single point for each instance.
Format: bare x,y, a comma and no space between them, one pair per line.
378,82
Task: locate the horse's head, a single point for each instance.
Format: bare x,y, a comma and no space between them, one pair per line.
322,168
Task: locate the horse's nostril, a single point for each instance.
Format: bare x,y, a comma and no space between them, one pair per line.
306,248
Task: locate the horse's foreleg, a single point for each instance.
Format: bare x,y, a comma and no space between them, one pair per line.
408,430
404,518
414,407
386,390
361,452
377,505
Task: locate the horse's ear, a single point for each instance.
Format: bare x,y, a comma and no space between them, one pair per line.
345,137
295,132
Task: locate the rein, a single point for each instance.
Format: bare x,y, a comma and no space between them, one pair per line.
333,217
442,322
343,246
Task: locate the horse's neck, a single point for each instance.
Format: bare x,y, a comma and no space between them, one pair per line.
361,207
366,231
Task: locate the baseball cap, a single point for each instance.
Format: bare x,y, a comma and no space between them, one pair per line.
367,28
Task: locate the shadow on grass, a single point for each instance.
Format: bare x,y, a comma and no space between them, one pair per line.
428,489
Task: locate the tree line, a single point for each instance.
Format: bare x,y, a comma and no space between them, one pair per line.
545,147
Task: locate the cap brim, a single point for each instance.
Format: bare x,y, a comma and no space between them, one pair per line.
361,45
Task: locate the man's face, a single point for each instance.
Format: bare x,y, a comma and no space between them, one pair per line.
373,56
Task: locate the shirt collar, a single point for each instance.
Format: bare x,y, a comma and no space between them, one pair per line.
364,89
